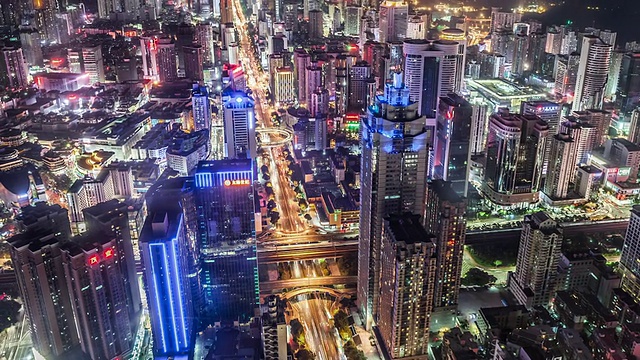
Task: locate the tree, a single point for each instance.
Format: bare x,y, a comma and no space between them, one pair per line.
341,322
297,331
477,277
352,352
8,313
304,354
275,216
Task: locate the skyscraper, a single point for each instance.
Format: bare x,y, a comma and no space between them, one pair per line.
453,132
193,62
408,272
300,61
14,69
394,167
595,57
393,20
316,24
563,160
201,108
284,91
166,60
515,158
549,112
163,245
566,70
39,264
359,79
628,91
533,283
629,265
239,126
227,239
352,17
31,46
204,37
422,75
444,216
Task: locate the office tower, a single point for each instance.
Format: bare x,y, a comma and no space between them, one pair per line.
628,90
341,91
534,281
562,165
163,246
549,112
629,265
193,62
284,86
149,51
422,75
595,58
452,65
316,24
634,127
101,303
239,126
554,42
111,219
408,272
93,63
127,69
599,119
166,60
31,46
359,78
14,72
201,108
353,14
570,42
204,37
503,20
451,159
39,267
536,57
417,28
226,236
290,14
479,120
393,177
393,20
566,75
444,216
515,158
520,50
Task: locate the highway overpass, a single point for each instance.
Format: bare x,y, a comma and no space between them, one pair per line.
270,286
273,254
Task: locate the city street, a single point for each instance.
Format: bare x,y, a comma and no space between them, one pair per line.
320,334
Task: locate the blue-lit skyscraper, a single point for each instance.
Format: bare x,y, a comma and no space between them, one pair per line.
239,125
226,234
393,177
164,253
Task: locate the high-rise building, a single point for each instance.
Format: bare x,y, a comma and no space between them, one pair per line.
201,108
226,11
301,60
14,72
166,60
563,160
319,104
583,133
39,264
451,158
98,287
313,79
417,27
359,79
515,158
502,19
31,46
549,112
595,57
164,250
566,70
93,63
615,67
149,51
352,17
629,265
444,216
239,126
284,91
628,91
534,281
204,37
227,238
422,75
193,62
408,257
316,24
520,49
393,20
634,127
479,119
393,177
599,119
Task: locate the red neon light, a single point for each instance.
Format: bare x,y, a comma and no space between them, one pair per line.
93,259
108,253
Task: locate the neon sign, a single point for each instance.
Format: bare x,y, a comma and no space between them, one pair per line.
93,259
108,253
237,182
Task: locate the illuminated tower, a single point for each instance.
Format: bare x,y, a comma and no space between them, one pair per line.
166,60
201,108
630,254
14,71
393,20
164,251
239,126
595,57
226,235
394,171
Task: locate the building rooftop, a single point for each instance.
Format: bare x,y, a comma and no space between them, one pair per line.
227,165
501,88
407,228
